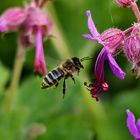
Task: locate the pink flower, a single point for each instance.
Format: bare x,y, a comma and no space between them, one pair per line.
33,25
12,19
113,38
110,42
37,25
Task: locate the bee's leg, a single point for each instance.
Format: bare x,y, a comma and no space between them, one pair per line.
43,86
56,84
89,86
72,78
64,88
85,83
78,70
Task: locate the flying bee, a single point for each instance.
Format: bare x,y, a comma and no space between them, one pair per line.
65,70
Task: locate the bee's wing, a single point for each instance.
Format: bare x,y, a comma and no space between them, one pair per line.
52,62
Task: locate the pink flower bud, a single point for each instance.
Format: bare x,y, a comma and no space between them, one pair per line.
124,3
12,19
113,40
132,45
136,30
132,49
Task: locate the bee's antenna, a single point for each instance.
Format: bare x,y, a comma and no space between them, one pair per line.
86,58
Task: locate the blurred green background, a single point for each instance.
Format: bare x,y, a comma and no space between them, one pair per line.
43,114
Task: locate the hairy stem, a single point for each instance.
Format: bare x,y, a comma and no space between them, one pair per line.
18,65
60,42
36,2
127,31
42,3
136,10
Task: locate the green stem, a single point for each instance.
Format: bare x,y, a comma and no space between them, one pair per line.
59,40
10,93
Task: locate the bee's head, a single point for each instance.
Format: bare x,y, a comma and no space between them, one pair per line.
77,62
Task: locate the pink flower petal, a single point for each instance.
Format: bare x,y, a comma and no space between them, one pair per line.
40,66
115,67
89,37
131,124
91,25
138,125
12,19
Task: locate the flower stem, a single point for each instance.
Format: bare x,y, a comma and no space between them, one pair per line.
127,31
59,41
136,10
36,2
42,3
10,93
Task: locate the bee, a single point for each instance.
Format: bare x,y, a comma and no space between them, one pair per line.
65,70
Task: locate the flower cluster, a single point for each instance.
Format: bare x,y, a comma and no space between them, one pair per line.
33,24
113,41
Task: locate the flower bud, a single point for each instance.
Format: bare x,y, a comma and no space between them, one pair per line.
132,45
136,30
12,19
124,3
132,49
113,40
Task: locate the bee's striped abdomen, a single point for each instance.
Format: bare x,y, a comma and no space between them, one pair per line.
58,73
52,78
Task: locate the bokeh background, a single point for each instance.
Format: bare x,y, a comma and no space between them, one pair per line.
43,114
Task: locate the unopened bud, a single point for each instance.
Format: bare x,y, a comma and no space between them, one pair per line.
113,40
132,46
136,30
132,49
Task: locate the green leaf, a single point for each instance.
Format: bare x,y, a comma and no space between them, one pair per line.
48,107
12,125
